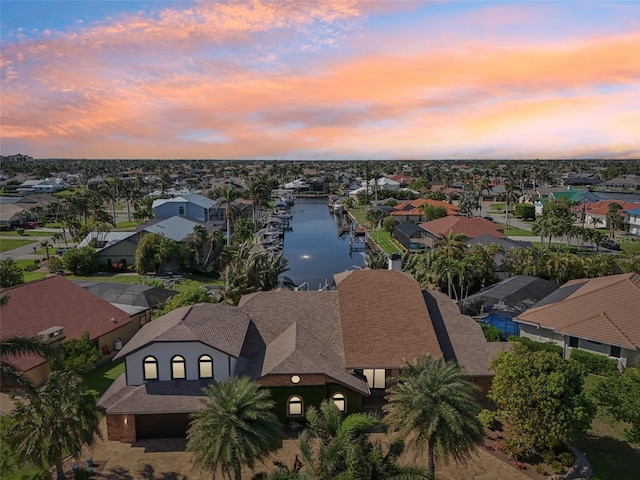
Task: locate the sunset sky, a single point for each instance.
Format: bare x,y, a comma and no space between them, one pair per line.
320,79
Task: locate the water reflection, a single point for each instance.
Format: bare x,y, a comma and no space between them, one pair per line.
313,247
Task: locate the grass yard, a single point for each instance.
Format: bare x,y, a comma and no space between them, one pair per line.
611,456
498,207
517,232
100,378
27,233
385,241
126,225
630,246
10,244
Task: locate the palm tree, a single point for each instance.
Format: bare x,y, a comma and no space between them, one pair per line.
334,446
60,419
235,428
15,347
228,196
433,405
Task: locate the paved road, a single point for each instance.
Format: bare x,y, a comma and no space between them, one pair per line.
26,252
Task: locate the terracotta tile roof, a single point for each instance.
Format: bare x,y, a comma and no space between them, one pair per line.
460,336
601,208
603,309
384,319
222,327
56,302
414,207
471,227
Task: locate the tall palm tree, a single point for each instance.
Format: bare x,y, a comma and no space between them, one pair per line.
60,420
228,196
16,346
235,428
434,407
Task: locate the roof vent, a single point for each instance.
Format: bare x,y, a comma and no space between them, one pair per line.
52,334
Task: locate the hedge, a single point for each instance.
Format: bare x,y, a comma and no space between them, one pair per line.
537,346
594,363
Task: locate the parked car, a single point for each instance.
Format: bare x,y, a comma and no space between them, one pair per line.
610,244
61,250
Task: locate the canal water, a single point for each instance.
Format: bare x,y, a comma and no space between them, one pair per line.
313,248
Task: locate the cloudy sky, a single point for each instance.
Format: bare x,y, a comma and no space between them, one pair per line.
343,79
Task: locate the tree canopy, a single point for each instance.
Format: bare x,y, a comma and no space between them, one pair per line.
541,397
620,395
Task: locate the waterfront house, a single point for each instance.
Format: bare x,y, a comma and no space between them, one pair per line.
632,218
469,227
56,309
413,237
193,206
413,210
598,315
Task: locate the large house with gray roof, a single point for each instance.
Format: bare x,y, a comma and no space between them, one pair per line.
345,345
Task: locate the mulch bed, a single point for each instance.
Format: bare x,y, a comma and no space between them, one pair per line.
494,444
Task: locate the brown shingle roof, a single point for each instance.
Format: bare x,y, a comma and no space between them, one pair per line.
55,301
177,396
384,319
603,309
471,227
222,327
460,336
300,333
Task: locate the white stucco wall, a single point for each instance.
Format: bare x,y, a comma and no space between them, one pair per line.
223,363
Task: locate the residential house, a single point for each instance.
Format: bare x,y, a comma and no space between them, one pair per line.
12,215
469,227
505,244
56,309
413,210
47,185
632,218
123,295
595,213
120,247
344,345
193,206
599,315
625,182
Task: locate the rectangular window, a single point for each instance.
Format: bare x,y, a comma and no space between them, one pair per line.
206,369
573,342
594,343
375,377
615,351
150,371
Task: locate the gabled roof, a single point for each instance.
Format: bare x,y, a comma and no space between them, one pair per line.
56,302
603,309
107,239
194,198
384,319
601,208
635,211
222,327
471,227
414,207
176,228
506,243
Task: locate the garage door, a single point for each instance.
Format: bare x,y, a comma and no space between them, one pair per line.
170,425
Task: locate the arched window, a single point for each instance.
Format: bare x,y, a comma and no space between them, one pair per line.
295,407
205,366
178,370
150,368
340,401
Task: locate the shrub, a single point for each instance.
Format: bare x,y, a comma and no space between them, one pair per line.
31,267
540,470
521,465
566,458
20,231
594,363
488,419
516,447
548,456
54,265
525,211
491,333
80,261
537,346
556,467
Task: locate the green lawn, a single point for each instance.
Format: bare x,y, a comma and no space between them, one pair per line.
31,276
112,278
99,379
517,232
385,241
10,244
611,456
126,225
498,207
630,246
